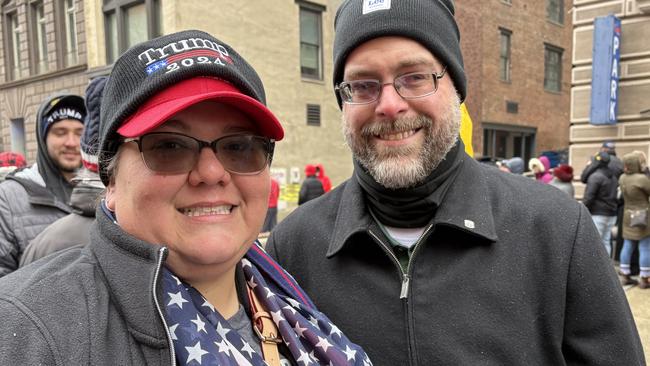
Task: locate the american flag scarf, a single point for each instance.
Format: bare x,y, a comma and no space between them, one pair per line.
202,336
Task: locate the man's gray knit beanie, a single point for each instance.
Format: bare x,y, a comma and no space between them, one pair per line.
429,22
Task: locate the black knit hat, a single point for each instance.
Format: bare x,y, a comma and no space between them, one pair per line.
67,106
429,22
90,139
147,69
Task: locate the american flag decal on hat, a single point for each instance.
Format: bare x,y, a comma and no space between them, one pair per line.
162,64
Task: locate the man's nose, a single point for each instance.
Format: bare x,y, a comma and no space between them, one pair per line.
390,104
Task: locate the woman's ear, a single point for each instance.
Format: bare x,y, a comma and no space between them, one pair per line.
110,197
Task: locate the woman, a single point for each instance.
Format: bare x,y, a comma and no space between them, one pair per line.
635,187
170,274
541,167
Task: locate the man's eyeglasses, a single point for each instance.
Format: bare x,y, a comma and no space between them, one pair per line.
408,86
175,153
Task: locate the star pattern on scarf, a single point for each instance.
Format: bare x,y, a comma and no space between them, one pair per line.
201,336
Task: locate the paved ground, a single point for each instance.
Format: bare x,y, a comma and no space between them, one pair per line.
640,304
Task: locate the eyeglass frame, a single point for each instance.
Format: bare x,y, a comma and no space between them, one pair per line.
436,77
203,144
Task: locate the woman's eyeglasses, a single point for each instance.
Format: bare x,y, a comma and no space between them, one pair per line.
175,153
408,86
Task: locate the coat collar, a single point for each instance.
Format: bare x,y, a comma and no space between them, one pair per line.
465,208
129,266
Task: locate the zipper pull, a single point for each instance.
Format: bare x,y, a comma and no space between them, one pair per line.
405,287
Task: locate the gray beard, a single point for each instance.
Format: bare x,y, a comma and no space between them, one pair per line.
405,166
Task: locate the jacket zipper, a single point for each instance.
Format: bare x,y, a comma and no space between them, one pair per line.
405,291
403,276
161,254
406,282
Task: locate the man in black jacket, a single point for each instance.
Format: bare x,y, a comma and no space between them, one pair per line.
426,257
600,196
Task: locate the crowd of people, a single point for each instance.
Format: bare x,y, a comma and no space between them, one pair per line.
617,196
132,239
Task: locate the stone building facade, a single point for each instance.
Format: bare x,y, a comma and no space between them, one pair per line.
42,52
632,130
516,108
289,43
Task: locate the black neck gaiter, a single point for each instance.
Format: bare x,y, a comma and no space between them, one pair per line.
415,206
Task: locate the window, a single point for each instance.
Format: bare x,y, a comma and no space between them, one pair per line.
504,142
18,135
313,114
128,22
504,61
11,44
38,38
69,11
512,107
552,68
311,41
555,11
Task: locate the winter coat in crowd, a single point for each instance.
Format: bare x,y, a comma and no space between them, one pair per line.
27,207
563,179
635,187
323,178
601,190
311,187
615,165
73,229
514,165
541,166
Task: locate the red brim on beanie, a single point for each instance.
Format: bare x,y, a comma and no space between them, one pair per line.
159,108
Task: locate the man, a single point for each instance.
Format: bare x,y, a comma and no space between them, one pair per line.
426,257
33,198
600,197
615,164
74,229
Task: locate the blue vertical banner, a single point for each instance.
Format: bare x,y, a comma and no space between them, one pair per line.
605,70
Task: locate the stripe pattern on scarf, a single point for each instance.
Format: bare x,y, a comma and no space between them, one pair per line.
202,336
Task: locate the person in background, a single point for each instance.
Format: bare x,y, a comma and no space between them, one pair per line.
514,165
424,255
600,197
635,187
323,178
33,198
173,273
10,161
563,179
74,229
541,168
615,164
272,214
311,187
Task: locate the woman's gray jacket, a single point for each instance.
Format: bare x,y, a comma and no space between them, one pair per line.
96,305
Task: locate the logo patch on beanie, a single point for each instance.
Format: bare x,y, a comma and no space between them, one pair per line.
184,53
64,113
373,5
